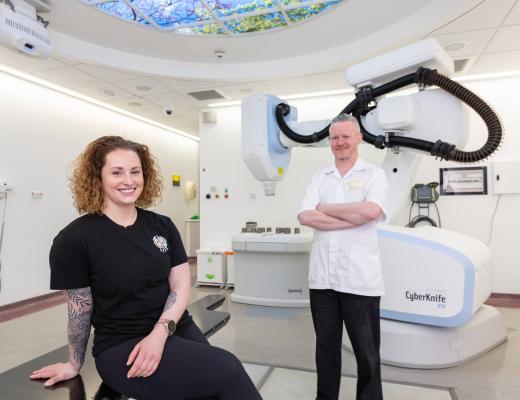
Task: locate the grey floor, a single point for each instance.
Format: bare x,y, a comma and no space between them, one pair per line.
277,347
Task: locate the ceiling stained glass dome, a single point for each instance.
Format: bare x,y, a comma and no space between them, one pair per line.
214,17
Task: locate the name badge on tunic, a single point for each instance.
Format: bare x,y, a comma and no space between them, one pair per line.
350,185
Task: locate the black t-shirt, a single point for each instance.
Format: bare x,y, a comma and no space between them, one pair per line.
127,270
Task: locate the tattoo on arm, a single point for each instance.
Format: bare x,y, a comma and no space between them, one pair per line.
170,301
80,308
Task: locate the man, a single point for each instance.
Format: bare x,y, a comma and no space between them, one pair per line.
343,204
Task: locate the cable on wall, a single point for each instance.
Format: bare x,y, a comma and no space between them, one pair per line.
492,222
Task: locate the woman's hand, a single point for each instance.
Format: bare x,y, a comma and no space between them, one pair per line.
56,372
147,354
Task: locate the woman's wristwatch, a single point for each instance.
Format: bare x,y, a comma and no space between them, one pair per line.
169,325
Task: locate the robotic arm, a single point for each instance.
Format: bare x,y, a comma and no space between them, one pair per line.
420,265
430,121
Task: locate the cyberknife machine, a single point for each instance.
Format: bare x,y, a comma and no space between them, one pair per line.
436,280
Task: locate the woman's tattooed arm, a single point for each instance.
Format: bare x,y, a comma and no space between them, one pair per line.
80,306
170,300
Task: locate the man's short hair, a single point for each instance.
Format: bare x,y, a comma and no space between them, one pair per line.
345,117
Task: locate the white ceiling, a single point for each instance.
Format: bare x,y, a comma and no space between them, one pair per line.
306,58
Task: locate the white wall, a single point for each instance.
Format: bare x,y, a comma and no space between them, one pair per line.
221,166
41,133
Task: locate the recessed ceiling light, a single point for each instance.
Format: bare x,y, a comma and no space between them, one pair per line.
10,72
135,104
143,88
454,46
107,92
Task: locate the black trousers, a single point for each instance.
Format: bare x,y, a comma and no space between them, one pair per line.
190,368
360,314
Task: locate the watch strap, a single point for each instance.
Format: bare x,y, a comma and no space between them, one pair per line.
168,324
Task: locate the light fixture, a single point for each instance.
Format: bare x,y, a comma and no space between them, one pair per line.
143,88
225,103
292,96
106,92
455,46
68,92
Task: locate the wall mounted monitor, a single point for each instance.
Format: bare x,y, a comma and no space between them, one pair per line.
463,180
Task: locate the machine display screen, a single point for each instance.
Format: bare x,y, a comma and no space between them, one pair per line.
465,180
424,193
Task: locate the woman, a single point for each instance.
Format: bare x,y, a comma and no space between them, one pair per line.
125,272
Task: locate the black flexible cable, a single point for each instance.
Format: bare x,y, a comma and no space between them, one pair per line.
410,213
421,218
283,109
490,118
362,99
438,215
441,149
365,101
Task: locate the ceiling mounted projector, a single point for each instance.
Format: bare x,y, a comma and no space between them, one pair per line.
23,29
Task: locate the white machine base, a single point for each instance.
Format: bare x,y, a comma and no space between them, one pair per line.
272,270
271,302
271,279
423,346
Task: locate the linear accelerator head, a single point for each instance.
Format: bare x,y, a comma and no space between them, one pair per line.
265,156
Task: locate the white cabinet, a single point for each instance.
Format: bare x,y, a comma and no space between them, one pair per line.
211,267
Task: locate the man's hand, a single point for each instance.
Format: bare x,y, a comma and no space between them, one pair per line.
56,372
146,355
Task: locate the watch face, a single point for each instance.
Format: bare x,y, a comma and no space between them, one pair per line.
171,327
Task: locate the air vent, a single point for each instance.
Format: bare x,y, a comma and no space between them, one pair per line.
463,64
206,95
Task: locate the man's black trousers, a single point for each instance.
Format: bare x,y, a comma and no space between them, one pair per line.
360,314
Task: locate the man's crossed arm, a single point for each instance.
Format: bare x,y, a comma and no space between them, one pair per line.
334,216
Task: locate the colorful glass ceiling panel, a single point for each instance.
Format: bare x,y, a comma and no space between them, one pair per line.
224,8
214,17
300,13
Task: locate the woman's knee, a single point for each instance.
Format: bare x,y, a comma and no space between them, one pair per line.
229,365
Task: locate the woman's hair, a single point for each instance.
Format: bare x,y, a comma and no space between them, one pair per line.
85,182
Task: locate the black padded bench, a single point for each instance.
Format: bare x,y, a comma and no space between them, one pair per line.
16,385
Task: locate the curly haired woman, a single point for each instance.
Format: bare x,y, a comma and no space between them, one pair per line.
125,272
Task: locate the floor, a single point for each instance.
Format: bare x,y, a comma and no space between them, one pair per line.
277,347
